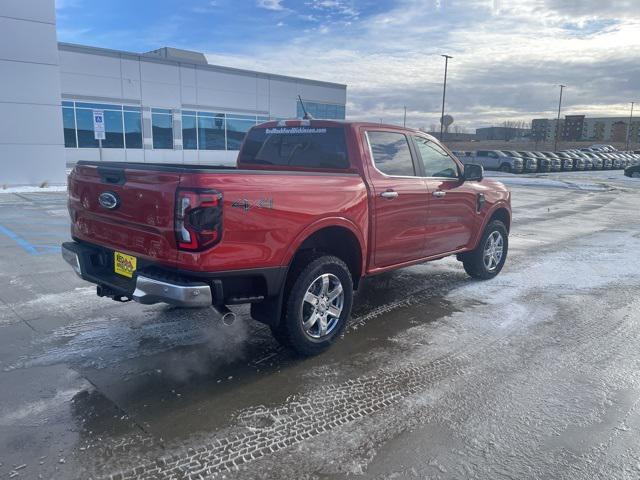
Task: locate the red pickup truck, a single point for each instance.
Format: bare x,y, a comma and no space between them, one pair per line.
312,207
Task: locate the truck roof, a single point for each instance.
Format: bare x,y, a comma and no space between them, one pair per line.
296,122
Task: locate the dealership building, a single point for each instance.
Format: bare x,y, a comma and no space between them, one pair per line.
166,105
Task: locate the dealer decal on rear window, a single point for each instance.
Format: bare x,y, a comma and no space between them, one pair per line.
294,130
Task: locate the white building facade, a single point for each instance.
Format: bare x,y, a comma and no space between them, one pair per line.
31,144
171,106
167,105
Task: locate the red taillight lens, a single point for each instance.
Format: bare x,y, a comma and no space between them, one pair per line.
198,218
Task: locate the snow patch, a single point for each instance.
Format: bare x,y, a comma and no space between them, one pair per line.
34,189
549,183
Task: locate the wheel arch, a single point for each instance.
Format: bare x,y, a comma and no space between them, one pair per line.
500,211
335,236
318,235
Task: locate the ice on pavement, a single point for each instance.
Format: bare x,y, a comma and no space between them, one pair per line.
542,182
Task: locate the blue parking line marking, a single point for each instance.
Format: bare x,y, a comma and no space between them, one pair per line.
31,249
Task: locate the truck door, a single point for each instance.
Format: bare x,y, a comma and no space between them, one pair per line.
452,213
400,199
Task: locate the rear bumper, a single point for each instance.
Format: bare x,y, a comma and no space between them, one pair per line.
142,289
149,290
155,283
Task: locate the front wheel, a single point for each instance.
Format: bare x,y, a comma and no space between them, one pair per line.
317,307
488,258
505,167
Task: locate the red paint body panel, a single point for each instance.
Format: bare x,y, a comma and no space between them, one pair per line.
269,212
143,225
255,236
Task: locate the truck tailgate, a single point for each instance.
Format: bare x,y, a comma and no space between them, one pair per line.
142,221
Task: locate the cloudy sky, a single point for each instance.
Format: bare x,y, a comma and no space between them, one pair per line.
509,55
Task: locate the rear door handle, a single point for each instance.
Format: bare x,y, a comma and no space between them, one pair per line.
439,193
389,194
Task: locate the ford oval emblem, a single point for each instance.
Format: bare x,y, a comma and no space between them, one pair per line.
109,200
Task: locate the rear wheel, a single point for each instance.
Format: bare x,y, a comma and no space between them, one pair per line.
317,306
488,258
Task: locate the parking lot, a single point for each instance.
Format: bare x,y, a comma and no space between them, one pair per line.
534,374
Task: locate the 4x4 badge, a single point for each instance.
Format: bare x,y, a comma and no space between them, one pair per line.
247,205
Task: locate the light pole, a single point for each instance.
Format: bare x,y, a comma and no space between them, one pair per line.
404,122
444,93
555,146
629,129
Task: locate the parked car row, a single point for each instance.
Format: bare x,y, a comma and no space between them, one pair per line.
513,161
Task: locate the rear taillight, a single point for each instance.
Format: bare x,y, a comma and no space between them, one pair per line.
198,218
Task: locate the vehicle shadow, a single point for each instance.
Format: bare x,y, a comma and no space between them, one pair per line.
172,388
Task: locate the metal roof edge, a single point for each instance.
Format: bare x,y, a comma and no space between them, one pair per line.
141,56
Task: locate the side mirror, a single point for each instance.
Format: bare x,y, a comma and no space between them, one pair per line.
473,172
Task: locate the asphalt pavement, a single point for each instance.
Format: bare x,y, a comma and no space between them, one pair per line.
534,374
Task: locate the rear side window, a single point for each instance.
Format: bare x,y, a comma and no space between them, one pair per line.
391,153
310,147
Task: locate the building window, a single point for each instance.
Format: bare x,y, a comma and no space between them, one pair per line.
215,131
189,130
162,128
327,111
84,122
114,129
211,131
237,128
69,125
123,125
132,127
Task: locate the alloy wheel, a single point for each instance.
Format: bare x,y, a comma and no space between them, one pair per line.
322,306
493,251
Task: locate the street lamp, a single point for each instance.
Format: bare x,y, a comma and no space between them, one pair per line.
629,129
444,93
555,146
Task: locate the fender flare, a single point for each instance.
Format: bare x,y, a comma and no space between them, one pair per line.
325,223
500,204
270,311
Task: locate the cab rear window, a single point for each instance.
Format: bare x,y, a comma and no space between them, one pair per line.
308,147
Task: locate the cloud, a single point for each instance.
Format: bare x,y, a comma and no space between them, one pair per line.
509,55
208,7
338,7
509,58
271,4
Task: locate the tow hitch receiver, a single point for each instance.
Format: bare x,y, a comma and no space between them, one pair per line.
102,291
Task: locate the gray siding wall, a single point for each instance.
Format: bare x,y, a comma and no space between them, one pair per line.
31,141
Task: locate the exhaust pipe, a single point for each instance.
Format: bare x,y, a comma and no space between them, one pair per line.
228,317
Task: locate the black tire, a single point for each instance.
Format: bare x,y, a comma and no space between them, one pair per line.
505,167
473,261
290,332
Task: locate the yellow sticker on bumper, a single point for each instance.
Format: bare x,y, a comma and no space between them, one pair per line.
124,264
